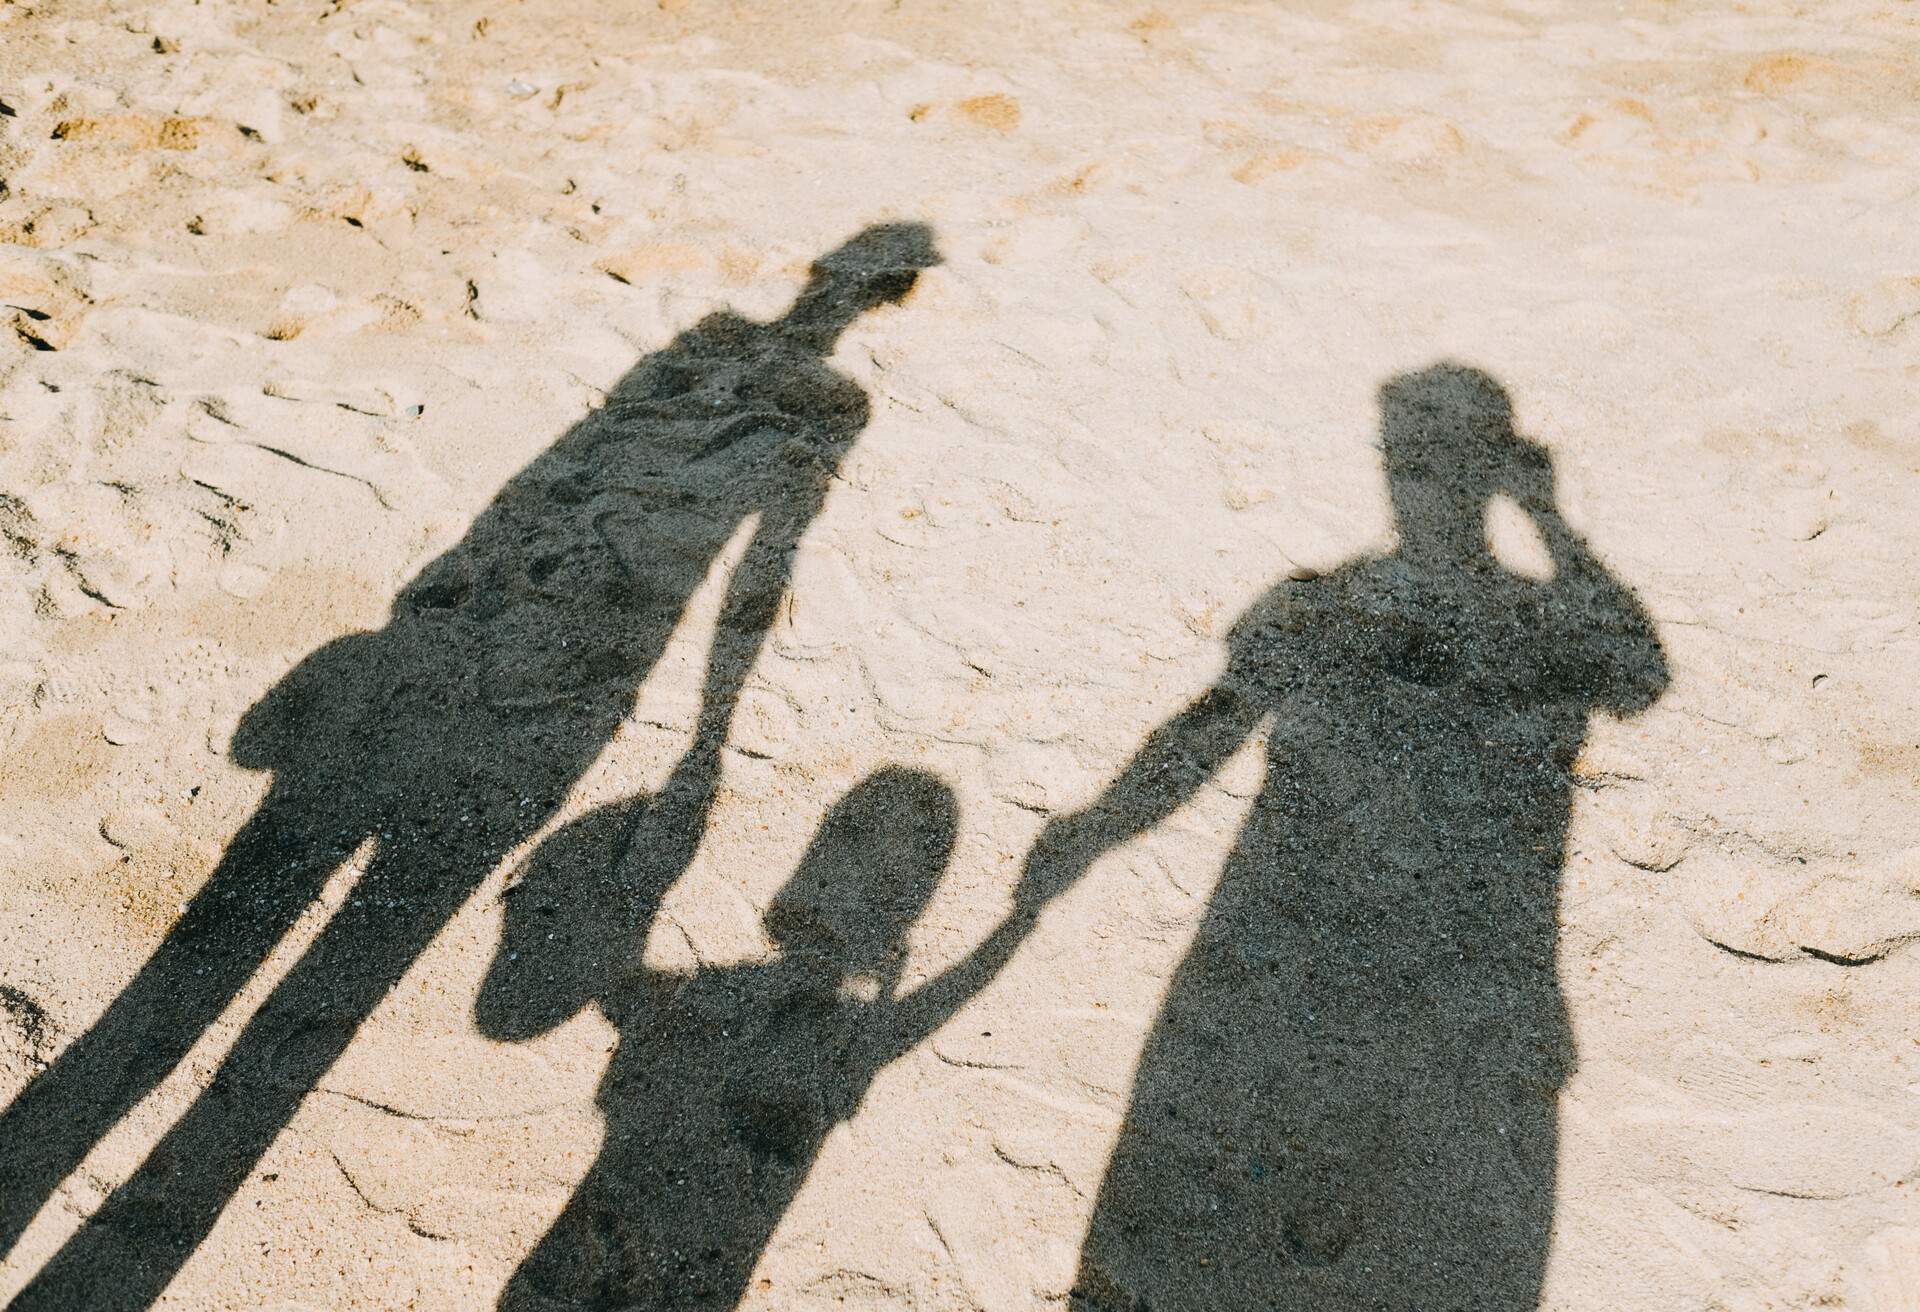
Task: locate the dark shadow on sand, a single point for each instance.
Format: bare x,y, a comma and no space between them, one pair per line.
727,1080
444,740
1348,1098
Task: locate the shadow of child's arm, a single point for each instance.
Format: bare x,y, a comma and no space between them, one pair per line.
1170,767
914,1017
1174,763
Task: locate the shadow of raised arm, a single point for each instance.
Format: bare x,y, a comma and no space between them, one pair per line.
1173,765
917,1016
1614,653
587,896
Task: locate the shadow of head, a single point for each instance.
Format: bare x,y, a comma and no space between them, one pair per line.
1449,448
878,266
866,878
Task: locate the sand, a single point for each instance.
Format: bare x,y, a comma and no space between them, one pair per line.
535,683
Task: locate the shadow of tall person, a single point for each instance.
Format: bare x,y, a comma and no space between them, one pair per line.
1348,1098
445,739
727,1079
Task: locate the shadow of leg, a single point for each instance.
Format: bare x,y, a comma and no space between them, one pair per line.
129,1250
271,873
579,1262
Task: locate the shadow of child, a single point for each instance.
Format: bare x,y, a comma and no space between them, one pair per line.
726,1081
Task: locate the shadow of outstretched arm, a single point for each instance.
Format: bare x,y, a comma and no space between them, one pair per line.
916,1016
1173,765
747,615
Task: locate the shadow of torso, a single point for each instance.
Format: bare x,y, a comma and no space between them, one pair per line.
719,1097
509,661
1348,1098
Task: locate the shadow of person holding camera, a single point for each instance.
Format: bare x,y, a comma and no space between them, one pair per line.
1347,1100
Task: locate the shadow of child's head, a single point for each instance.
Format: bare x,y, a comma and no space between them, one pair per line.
866,878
